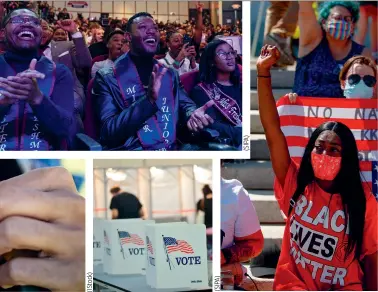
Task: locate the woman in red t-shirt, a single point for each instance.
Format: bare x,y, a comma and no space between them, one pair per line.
330,239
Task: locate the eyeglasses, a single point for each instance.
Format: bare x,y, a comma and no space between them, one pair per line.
369,80
223,55
24,20
341,17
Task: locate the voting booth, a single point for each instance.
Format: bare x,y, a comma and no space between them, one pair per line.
124,246
98,241
176,256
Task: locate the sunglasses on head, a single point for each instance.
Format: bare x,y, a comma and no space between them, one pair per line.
369,80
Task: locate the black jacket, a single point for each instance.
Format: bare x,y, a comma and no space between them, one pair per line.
118,125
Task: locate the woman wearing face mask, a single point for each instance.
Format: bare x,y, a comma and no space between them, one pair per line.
324,47
220,77
330,240
358,78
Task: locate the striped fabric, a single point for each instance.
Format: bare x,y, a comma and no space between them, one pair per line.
299,120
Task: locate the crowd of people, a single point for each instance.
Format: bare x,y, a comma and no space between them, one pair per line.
123,105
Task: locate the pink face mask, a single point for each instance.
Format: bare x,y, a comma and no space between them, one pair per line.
325,167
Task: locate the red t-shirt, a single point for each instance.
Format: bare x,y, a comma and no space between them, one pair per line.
313,247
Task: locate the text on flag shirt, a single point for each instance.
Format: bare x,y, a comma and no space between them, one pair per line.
299,120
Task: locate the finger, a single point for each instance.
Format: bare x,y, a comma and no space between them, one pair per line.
189,124
43,205
30,234
19,83
10,93
186,45
197,119
208,105
156,68
34,74
43,179
32,64
20,80
152,79
204,122
194,125
209,119
19,92
160,75
50,273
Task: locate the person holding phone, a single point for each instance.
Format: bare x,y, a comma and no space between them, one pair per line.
181,56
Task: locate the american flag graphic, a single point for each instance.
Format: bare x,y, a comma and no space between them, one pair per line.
127,237
299,120
149,245
106,239
173,245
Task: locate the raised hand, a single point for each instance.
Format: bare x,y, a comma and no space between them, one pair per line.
155,83
268,57
56,236
199,6
68,25
199,119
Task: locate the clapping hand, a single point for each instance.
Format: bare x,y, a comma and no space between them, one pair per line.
23,86
155,83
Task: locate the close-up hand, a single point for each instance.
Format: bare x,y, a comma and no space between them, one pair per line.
155,82
43,214
199,119
23,86
183,53
268,57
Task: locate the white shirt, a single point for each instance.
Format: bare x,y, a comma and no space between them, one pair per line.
168,61
47,51
99,65
238,215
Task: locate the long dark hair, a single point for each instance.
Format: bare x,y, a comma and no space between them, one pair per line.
207,70
347,182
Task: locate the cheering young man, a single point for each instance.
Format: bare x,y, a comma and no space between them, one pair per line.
36,96
140,104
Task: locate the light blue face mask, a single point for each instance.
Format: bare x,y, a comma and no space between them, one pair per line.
359,90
